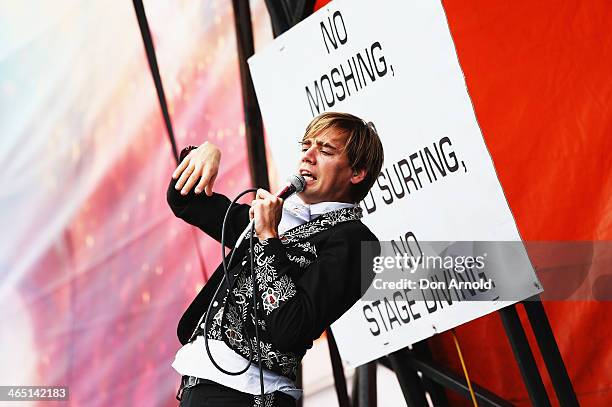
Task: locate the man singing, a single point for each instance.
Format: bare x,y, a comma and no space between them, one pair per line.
306,260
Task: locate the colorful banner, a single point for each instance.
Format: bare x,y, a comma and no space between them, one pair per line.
95,270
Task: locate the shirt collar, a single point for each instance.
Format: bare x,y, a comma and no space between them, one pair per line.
297,207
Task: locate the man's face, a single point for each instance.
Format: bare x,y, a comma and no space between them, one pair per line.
325,167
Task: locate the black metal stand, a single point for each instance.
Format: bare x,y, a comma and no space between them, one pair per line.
435,390
338,370
408,379
443,377
413,386
524,357
550,352
419,375
366,393
299,385
284,14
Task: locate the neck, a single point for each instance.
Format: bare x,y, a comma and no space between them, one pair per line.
311,202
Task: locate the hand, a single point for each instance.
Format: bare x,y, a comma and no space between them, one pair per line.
200,164
267,210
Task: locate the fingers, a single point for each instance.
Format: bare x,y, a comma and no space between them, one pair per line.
181,167
266,198
193,178
263,194
266,209
207,176
265,201
209,187
184,176
199,167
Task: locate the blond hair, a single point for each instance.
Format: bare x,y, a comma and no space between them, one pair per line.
363,147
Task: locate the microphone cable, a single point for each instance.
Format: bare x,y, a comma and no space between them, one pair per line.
230,298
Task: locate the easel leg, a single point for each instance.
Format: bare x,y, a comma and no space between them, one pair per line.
298,383
338,370
524,357
367,385
550,352
436,392
409,381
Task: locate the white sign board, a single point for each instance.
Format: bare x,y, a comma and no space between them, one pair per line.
393,63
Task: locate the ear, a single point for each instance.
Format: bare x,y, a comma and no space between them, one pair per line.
358,176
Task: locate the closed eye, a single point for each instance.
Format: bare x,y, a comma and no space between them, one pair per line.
305,145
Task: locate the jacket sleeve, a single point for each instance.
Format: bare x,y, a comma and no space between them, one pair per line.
207,213
298,310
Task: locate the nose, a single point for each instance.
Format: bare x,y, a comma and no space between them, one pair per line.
309,155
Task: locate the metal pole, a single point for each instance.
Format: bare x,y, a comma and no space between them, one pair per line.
436,392
409,381
298,384
367,385
550,352
524,357
355,389
147,39
454,382
338,370
253,123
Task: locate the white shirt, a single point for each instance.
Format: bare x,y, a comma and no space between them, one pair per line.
192,359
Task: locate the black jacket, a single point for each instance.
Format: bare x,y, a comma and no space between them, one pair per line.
307,279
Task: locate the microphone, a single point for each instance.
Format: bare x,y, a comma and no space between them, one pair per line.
295,183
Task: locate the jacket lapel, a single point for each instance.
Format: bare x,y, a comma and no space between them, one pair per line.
321,223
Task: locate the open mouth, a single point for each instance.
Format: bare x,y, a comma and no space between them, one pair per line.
306,174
